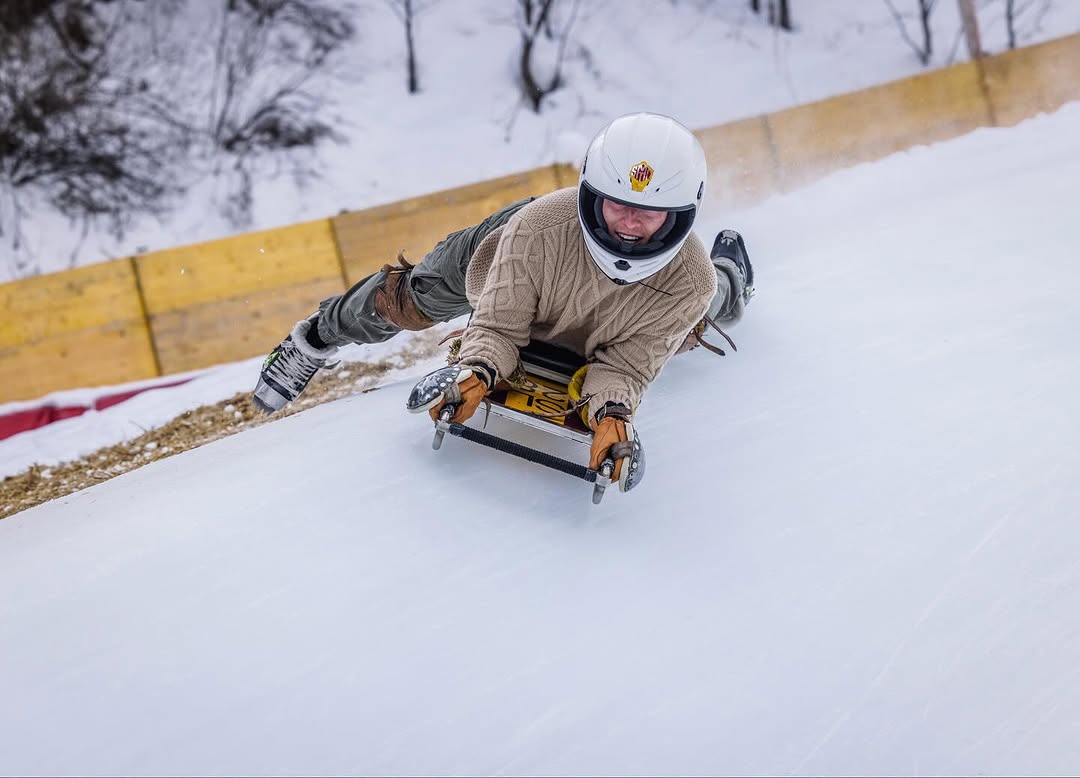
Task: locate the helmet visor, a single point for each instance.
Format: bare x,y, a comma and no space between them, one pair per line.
674,228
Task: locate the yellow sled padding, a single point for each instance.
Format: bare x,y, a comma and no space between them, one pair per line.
539,396
577,381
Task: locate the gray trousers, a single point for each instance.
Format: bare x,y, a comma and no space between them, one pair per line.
437,286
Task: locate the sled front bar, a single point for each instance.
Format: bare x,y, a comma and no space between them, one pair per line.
524,452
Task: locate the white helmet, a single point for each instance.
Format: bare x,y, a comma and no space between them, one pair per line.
648,161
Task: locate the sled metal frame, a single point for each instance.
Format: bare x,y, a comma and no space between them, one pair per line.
600,479
557,362
539,423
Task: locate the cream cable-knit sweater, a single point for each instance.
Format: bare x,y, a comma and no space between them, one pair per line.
533,279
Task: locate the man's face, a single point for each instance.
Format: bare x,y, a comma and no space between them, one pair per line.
633,225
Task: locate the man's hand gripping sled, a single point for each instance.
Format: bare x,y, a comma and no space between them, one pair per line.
546,397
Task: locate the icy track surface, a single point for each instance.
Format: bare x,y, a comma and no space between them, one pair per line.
856,550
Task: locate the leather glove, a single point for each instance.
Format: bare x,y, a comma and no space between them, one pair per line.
472,393
611,426
472,388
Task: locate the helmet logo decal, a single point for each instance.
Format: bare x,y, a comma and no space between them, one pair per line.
640,176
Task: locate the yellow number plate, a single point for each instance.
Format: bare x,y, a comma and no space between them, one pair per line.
539,397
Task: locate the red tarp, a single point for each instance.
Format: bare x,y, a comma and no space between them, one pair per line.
32,418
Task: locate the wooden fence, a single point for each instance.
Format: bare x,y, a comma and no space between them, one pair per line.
199,305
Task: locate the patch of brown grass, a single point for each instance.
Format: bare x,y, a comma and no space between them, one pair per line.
194,428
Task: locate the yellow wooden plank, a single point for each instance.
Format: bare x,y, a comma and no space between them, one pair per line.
55,304
370,238
95,356
567,175
1034,79
236,327
178,278
816,138
742,168
76,328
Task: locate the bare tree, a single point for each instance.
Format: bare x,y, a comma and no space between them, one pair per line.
1031,13
254,104
62,139
778,13
535,16
407,11
255,114
294,38
110,109
970,23
1010,22
783,14
924,50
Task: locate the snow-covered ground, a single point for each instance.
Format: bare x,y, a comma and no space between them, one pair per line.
855,552
468,123
67,440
